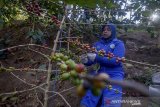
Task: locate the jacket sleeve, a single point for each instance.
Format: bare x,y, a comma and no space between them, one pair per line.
119,51
89,63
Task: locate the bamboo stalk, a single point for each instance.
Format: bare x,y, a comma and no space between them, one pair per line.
50,65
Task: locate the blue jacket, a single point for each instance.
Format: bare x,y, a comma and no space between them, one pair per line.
112,45
109,66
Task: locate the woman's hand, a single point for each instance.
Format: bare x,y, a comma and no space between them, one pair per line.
88,57
91,56
83,58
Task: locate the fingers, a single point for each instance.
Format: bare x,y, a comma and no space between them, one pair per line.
91,56
83,58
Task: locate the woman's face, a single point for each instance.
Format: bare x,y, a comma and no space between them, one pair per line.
106,32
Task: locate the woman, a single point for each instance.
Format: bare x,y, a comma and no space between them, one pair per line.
109,43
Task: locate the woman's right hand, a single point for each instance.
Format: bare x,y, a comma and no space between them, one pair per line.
84,58
88,57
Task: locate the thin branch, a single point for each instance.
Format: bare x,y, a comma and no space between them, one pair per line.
16,92
118,91
60,91
38,70
142,63
37,94
71,38
39,99
28,69
63,98
22,80
39,53
21,46
57,93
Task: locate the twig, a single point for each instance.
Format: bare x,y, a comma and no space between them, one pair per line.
39,99
20,46
15,92
37,95
60,91
142,63
28,69
38,70
63,98
22,80
39,53
71,37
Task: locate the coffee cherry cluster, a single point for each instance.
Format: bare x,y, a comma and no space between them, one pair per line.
55,20
74,42
95,85
110,55
101,52
120,59
71,71
93,49
85,46
34,7
58,57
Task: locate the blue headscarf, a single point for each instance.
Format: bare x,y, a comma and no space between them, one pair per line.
113,32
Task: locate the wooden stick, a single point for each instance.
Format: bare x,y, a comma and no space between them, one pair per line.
50,65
